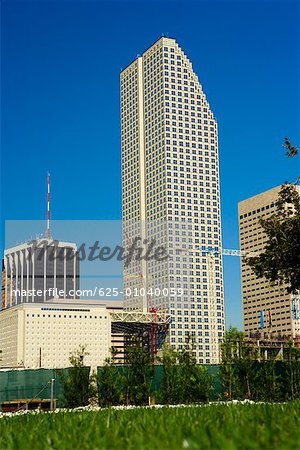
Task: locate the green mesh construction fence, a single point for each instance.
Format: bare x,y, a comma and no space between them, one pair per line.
213,369
216,393
28,384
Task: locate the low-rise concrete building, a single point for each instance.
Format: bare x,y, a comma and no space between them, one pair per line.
34,335
44,335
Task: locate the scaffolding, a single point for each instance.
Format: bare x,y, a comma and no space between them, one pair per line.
140,325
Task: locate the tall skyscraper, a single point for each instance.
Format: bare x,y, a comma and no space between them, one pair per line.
39,270
171,194
267,310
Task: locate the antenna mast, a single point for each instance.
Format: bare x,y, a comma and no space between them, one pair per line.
48,207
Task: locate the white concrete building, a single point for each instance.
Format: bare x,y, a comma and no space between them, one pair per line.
34,335
171,193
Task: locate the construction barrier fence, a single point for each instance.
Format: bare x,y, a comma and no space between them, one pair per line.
31,384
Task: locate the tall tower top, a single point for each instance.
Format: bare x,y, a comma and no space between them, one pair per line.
48,207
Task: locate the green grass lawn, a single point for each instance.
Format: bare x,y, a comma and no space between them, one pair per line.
241,426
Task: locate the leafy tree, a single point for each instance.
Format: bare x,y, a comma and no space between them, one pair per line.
237,372
75,381
291,150
139,374
268,384
110,383
230,347
244,375
246,370
280,261
171,385
292,372
195,382
183,381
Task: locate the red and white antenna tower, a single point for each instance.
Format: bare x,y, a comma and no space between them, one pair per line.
48,207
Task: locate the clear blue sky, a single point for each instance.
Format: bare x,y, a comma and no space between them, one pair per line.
60,101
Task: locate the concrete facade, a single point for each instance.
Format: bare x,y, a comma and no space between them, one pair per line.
171,193
262,302
45,334
31,271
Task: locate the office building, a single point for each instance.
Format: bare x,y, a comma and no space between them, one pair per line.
39,270
171,194
267,310
34,335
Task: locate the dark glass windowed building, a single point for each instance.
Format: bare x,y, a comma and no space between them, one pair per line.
40,270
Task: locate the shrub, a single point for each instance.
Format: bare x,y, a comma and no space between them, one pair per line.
76,382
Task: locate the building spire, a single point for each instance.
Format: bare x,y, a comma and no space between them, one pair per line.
48,207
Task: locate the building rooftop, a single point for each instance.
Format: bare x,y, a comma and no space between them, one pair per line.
139,55
38,243
61,302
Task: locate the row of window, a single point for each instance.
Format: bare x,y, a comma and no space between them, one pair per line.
256,211
59,316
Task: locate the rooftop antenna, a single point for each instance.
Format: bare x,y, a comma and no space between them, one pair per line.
48,207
